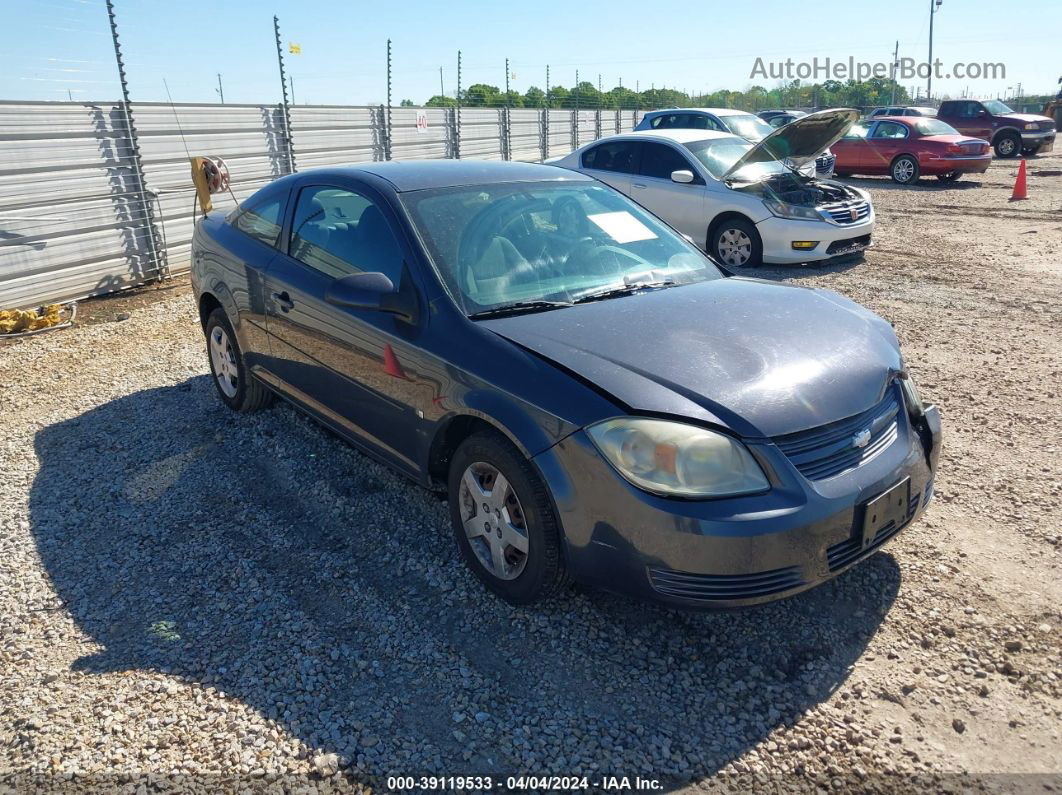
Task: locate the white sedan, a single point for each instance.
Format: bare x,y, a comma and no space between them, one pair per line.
743,203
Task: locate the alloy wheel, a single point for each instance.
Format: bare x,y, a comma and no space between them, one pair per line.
223,359
735,247
903,171
494,521
1007,146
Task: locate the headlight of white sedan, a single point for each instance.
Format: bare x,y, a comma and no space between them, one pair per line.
783,210
677,460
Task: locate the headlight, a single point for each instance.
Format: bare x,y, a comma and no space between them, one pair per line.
674,459
1032,125
783,210
915,407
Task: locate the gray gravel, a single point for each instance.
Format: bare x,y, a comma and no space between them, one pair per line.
211,598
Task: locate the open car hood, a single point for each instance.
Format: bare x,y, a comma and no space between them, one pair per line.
801,140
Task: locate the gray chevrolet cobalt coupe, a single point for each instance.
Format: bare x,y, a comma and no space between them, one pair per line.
596,397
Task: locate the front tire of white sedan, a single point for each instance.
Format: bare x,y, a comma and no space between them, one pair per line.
736,243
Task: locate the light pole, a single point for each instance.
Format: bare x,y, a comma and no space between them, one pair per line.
933,6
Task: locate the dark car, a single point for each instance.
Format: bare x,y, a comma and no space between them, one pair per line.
910,110
1010,133
780,118
596,397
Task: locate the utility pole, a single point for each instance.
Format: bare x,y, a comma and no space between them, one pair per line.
895,66
291,82
933,6
158,261
221,89
442,91
577,93
548,94
285,108
457,111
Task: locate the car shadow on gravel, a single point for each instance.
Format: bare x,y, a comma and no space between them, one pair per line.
929,184
263,557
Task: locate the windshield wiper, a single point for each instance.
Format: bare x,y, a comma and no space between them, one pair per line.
519,306
626,289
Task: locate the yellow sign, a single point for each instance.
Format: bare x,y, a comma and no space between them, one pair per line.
294,49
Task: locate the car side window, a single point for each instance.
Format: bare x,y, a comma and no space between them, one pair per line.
339,232
262,221
618,156
659,160
968,110
889,129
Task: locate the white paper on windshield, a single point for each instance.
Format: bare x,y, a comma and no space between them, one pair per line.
622,227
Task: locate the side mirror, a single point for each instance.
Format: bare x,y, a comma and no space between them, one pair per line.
982,113
372,291
685,176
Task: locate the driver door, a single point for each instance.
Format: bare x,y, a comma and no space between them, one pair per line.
354,368
680,204
614,163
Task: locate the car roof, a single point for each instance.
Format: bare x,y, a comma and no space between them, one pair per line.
713,111
409,175
678,135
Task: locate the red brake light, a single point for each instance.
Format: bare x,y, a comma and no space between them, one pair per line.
954,149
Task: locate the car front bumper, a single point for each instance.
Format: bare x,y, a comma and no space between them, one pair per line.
831,240
1040,141
732,552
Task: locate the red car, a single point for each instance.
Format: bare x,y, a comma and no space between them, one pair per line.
909,147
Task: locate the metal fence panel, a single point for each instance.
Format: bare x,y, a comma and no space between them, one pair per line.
481,133
249,138
73,224
334,135
429,142
560,132
71,217
525,134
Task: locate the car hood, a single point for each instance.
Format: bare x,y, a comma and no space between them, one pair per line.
760,358
1023,117
801,140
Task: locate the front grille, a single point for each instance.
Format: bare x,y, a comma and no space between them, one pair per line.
841,212
829,450
848,244
724,587
851,550
824,163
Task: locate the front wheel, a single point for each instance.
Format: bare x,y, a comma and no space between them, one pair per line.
736,243
503,520
1007,145
951,176
904,170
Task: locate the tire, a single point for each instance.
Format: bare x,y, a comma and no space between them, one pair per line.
1007,144
904,170
237,388
736,244
529,575
951,176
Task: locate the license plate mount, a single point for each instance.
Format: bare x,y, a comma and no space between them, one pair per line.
888,507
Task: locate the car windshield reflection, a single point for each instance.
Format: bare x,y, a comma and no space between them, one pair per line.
537,246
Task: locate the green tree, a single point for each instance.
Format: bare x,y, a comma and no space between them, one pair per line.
482,95
439,101
534,97
406,103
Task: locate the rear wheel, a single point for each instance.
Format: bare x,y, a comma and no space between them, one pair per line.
736,243
1008,144
951,176
503,520
904,170
237,388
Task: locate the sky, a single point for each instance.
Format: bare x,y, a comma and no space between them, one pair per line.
60,49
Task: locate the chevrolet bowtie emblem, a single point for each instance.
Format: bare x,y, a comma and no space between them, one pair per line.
861,439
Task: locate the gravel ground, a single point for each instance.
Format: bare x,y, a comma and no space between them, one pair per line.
211,599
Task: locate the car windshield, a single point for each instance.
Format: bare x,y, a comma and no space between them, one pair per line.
524,243
933,127
996,108
719,154
747,126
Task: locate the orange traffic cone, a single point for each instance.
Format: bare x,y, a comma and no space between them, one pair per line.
391,365
1020,191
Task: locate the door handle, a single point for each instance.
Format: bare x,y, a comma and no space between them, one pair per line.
284,301
637,184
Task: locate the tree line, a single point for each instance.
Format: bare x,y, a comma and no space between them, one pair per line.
792,94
